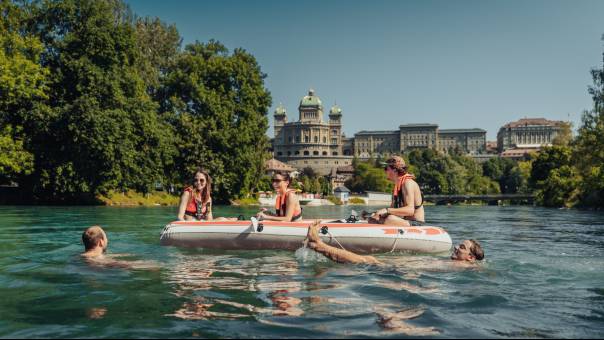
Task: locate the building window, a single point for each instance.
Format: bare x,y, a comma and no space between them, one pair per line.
306,139
315,153
316,139
324,153
289,153
334,141
335,153
306,153
324,139
297,153
279,153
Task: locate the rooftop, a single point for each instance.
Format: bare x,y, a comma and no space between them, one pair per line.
422,125
275,165
533,122
445,131
365,132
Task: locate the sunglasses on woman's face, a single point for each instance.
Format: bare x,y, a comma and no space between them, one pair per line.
200,180
277,180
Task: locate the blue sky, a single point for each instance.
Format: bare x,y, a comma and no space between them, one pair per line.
459,64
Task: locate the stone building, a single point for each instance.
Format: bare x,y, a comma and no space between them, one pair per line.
310,141
471,141
532,132
418,136
367,143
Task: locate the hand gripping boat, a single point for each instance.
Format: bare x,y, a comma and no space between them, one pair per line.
356,236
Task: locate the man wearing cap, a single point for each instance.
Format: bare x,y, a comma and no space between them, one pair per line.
407,207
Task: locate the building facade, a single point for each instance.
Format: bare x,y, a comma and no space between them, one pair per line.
418,136
311,141
471,141
532,132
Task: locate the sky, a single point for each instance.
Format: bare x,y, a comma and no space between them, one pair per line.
458,64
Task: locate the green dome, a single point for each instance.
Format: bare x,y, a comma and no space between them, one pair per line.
311,100
280,111
335,110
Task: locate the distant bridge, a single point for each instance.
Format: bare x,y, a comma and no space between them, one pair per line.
493,199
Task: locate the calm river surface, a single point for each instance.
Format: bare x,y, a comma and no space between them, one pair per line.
543,277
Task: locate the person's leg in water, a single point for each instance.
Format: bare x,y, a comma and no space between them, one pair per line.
333,253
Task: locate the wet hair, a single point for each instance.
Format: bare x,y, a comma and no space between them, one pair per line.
397,164
285,175
205,192
476,250
92,236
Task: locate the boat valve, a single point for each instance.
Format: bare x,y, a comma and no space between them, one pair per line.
260,227
324,230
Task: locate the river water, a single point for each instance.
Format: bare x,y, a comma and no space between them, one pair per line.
543,277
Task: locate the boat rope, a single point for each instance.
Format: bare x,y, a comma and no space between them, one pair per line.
335,239
398,235
394,245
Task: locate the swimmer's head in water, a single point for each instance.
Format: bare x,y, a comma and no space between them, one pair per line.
94,237
468,250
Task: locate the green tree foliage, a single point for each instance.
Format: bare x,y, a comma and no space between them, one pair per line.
439,173
159,45
325,185
105,101
104,131
590,145
219,108
547,160
23,86
560,188
565,135
368,178
14,160
512,177
554,177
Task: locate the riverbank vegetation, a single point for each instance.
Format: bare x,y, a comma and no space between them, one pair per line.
94,99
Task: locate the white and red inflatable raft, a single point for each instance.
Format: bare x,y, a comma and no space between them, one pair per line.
360,237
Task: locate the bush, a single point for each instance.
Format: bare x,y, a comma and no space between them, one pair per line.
356,200
334,200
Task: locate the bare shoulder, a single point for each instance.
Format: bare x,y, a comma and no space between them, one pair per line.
411,186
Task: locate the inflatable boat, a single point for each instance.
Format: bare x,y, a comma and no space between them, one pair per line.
358,236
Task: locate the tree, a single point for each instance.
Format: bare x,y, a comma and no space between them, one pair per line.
549,159
565,135
590,144
369,178
219,107
14,160
104,133
309,172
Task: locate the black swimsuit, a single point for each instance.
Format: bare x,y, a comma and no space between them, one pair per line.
399,202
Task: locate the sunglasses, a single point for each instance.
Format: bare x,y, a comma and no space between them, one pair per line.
200,180
277,180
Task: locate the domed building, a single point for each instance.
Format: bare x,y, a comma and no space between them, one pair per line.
310,142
